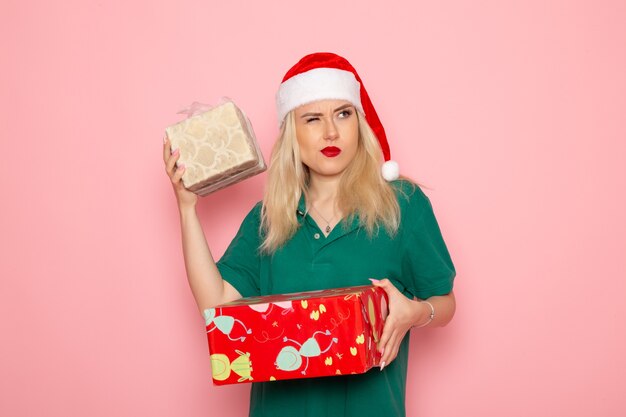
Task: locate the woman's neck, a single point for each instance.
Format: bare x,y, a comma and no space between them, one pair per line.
323,189
322,202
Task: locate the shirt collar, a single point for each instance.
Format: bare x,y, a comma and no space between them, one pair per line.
301,206
353,224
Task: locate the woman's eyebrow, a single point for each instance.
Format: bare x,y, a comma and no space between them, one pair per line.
345,106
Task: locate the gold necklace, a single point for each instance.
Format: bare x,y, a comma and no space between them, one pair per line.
328,228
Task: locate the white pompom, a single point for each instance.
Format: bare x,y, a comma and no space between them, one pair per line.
391,170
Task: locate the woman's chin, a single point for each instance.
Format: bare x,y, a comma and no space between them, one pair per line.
326,172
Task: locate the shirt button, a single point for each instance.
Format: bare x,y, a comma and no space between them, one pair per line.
316,236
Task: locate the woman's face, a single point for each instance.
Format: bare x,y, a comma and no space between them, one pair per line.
328,136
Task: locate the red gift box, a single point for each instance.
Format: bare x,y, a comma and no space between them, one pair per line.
299,335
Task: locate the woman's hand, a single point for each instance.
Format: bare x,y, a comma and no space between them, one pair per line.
404,313
185,198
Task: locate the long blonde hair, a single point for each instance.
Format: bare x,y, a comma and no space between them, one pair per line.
362,189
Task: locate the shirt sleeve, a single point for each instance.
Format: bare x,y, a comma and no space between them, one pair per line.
240,264
427,267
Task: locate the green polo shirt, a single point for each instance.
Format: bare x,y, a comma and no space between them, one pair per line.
415,260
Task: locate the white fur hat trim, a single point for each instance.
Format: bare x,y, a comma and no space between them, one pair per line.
317,84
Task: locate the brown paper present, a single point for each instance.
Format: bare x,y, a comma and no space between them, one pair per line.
217,147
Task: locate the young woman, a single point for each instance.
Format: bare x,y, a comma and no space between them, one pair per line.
329,219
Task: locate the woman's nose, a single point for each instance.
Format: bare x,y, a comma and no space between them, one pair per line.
330,132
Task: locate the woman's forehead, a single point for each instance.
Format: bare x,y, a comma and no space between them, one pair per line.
322,106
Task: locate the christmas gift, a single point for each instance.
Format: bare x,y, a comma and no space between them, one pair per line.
217,146
300,335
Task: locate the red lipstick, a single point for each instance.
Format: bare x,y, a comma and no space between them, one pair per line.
331,151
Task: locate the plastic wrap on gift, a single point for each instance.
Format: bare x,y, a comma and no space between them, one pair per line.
217,146
301,335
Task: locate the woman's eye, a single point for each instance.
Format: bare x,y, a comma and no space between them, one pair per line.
345,113
311,119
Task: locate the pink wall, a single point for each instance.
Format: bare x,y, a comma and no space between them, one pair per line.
512,112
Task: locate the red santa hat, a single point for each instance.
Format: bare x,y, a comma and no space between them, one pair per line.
327,76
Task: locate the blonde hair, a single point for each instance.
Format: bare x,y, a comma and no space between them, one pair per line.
362,189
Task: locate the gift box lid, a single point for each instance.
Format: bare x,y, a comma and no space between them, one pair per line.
333,292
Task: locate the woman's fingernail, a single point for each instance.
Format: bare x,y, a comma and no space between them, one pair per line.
181,166
175,151
164,139
382,365
375,281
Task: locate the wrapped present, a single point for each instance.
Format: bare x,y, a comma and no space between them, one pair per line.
301,335
217,146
